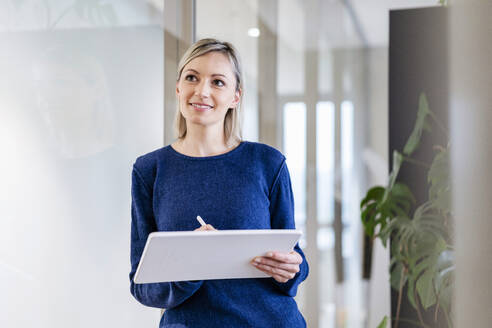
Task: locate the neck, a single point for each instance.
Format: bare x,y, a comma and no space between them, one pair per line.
203,141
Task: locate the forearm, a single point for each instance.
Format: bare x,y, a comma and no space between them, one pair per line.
161,295
164,295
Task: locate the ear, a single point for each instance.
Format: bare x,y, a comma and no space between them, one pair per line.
237,98
177,89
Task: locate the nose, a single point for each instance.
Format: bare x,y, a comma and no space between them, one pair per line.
202,89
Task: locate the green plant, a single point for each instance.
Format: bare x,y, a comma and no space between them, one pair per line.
383,323
421,234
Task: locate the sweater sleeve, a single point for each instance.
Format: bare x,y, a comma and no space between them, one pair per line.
160,295
282,217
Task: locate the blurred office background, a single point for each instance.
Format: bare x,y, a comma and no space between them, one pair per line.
86,86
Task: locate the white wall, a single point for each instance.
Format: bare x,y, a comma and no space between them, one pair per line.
376,159
79,101
470,50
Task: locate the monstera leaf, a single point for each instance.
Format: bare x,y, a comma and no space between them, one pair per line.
395,170
440,182
417,246
383,204
421,124
379,207
444,279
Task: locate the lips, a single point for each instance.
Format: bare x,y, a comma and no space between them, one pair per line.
201,107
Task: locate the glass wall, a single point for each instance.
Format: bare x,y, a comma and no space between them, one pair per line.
213,19
326,110
80,98
319,62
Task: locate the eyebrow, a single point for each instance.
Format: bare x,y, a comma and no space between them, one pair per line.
196,72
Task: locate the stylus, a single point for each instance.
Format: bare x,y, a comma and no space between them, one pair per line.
199,218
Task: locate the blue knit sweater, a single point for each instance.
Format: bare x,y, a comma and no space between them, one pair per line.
246,188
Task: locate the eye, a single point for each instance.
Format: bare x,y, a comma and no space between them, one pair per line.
218,83
190,78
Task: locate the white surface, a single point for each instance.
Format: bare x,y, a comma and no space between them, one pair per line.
375,156
77,106
199,255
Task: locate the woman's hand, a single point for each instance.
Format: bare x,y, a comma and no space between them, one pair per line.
280,266
207,227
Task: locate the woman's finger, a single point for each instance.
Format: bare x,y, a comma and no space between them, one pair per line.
275,272
207,227
274,263
291,257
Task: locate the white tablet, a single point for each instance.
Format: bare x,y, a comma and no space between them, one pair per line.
200,255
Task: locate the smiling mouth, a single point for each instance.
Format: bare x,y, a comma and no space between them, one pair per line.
201,107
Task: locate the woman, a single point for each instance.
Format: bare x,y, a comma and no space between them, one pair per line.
233,184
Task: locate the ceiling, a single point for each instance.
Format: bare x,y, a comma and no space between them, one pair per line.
373,16
342,23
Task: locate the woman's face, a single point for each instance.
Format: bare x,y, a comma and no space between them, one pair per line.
206,90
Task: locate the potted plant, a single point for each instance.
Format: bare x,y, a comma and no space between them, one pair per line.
420,234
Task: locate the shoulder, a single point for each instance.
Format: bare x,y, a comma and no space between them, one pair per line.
146,165
268,162
265,159
264,153
149,161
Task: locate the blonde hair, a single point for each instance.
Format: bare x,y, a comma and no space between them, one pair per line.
233,117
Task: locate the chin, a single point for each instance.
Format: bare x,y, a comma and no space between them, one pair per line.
203,118
198,119
203,121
